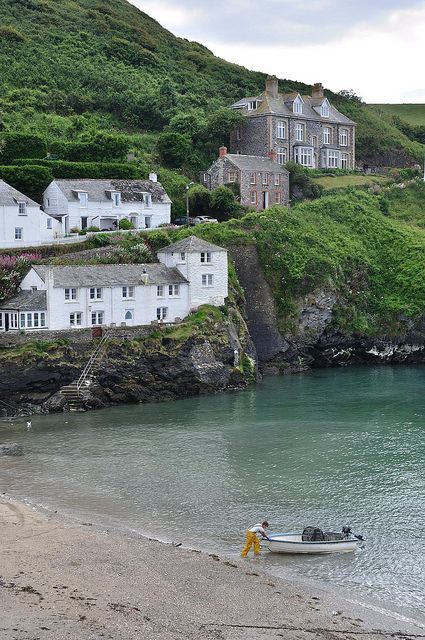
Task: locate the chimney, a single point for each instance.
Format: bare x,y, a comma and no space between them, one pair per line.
153,177
272,155
272,86
222,152
317,91
145,276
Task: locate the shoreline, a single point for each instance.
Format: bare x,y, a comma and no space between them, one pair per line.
63,579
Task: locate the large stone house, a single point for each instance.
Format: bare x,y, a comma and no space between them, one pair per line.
304,129
190,272
262,181
104,203
22,222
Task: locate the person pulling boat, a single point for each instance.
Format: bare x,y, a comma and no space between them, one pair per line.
253,536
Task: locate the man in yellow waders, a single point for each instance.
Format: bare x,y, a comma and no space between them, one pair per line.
252,538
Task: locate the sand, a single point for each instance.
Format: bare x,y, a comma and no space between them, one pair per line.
67,580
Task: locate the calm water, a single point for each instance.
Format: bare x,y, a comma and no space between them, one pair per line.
327,449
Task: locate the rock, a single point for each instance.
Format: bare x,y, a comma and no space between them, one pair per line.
11,449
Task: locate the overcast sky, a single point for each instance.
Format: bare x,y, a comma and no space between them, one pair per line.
375,47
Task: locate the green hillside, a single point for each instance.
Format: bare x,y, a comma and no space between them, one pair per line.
413,114
76,67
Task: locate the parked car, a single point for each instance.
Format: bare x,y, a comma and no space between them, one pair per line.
203,219
182,220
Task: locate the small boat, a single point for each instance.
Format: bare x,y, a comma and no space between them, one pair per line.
313,540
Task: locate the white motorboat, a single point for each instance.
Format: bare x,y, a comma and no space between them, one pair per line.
313,540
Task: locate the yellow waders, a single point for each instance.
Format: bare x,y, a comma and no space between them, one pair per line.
251,540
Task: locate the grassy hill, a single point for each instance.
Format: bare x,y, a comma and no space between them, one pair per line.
75,67
414,114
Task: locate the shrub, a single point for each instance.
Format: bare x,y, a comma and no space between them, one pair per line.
105,170
15,145
174,148
30,180
125,224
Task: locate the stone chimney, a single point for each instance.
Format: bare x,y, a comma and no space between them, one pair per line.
272,155
317,91
145,276
272,86
153,177
222,152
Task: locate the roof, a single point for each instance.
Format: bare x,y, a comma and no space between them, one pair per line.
100,190
109,275
281,105
27,301
190,244
255,163
10,196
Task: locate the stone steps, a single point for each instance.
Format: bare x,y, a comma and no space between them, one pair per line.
73,396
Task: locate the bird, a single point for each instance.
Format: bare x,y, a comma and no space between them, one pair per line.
29,425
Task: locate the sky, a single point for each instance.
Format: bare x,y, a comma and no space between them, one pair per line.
374,47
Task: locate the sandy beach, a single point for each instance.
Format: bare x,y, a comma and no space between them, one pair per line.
66,580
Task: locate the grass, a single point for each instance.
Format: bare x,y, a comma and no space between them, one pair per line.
340,182
414,114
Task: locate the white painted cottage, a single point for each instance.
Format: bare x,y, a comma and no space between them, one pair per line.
190,273
22,222
104,203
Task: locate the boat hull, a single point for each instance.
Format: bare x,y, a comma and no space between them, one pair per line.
293,543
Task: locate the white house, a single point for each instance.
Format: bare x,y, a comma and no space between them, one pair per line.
190,273
103,203
22,222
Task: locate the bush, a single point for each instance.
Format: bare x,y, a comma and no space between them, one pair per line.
301,184
21,145
200,200
105,170
125,224
174,148
98,147
223,203
30,180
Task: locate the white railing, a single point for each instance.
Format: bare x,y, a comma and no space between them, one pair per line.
89,366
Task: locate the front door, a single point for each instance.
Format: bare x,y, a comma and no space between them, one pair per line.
84,222
6,322
265,199
148,222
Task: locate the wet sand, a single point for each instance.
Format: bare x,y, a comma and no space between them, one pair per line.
62,580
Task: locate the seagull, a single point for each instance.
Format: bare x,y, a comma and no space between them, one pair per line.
29,425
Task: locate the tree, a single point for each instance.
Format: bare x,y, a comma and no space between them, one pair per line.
300,183
174,148
223,203
200,200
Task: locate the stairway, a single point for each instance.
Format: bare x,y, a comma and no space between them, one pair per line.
72,395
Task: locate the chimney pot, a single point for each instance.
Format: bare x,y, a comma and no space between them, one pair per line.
317,90
272,86
272,155
222,152
153,177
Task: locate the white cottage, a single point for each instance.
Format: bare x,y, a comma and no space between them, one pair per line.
190,273
22,222
104,203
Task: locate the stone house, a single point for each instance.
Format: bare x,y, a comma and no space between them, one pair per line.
304,129
22,222
261,180
104,203
190,272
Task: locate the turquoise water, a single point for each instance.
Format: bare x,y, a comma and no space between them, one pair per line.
329,448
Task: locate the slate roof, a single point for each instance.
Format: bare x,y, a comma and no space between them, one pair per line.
255,163
27,301
282,106
10,196
109,275
190,244
131,190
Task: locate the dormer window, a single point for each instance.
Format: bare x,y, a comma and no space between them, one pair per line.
22,208
116,198
298,105
83,197
324,111
148,200
252,105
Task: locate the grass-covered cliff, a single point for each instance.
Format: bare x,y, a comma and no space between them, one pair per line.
76,67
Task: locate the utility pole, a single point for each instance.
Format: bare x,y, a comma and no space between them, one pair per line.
187,201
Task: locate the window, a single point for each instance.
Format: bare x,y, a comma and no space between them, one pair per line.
29,320
277,179
232,176
148,200
265,179
116,199
281,155
252,105
253,197
326,135
298,105
238,133
325,110
97,317
95,293
299,132
333,157
277,197
33,288
49,224
19,233
32,320
173,290
304,156
75,319
83,199
207,280
22,208
280,130
160,291
253,178
128,315
344,161
206,256
182,256
1,321
161,313
128,292
70,294
343,137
